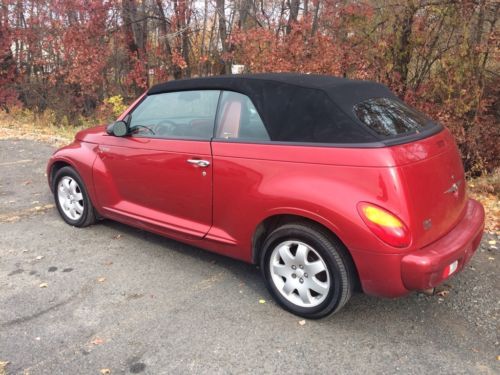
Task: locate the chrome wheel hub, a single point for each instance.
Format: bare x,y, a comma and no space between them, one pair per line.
299,273
70,198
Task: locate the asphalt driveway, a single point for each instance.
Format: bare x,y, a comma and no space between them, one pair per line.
114,298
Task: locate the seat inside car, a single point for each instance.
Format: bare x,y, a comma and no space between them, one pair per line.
229,124
236,121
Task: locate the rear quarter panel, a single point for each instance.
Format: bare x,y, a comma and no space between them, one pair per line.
253,182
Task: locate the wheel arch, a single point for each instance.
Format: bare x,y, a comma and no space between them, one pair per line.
54,167
266,226
84,170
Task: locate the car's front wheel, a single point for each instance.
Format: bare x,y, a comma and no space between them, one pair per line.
72,200
307,270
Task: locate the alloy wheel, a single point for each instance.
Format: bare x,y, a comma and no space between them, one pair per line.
299,273
70,198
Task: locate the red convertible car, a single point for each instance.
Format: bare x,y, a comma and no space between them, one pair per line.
328,184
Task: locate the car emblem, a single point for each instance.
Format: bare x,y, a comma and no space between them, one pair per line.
453,188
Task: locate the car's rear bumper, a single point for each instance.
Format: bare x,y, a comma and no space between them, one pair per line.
426,268
393,275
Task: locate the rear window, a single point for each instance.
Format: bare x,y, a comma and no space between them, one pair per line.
390,117
310,116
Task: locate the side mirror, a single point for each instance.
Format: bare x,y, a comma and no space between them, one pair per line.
118,128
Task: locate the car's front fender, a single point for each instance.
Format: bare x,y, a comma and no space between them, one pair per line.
80,156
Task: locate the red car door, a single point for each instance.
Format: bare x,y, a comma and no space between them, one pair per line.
161,174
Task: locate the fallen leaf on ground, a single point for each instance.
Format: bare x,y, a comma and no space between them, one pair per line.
302,322
443,293
97,341
10,219
44,285
262,301
105,371
101,279
3,365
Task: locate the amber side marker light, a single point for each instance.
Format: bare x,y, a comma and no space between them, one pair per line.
385,225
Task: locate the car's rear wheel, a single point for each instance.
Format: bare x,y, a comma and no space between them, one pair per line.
72,200
307,270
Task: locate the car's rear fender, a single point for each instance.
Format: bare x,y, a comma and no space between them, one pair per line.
327,194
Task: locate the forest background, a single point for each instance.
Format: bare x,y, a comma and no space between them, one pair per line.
66,64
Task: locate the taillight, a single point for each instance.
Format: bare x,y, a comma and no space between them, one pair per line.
385,225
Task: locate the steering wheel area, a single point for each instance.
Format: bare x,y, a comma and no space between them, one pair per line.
165,127
138,129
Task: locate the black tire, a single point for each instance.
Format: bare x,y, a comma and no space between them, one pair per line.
342,275
88,216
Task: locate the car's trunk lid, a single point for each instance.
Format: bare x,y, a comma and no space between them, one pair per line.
435,185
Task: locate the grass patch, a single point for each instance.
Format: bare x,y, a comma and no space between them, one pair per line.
22,125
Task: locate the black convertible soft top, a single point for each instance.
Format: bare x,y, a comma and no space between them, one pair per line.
299,107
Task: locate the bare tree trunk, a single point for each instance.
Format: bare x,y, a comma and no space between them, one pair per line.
165,28
401,51
183,19
135,34
315,22
247,14
221,13
294,6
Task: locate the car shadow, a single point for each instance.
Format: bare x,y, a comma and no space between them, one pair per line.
362,311
247,273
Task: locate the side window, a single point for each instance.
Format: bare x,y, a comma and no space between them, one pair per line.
238,119
183,114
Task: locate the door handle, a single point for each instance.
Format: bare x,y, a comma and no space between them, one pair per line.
199,163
